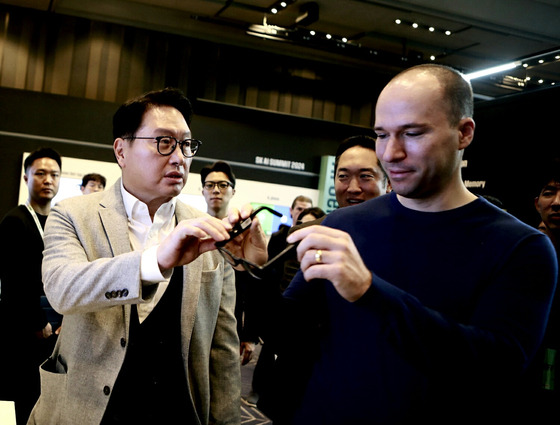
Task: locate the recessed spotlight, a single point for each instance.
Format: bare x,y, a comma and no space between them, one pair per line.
433,58
312,32
344,40
527,78
557,57
541,81
414,25
284,4
328,36
541,60
553,83
274,11
398,21
431,29
447,32
525,65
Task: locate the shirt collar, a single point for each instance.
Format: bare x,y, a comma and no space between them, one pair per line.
137,210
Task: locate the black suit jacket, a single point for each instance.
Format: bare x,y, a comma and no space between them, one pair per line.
21,255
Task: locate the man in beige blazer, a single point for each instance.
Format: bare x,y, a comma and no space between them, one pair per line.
149,333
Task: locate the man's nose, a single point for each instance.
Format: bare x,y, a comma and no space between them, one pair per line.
354,185
177,156
393,150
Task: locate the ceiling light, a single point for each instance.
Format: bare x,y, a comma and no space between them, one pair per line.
541,60
525,65
328,36
284,4
541,81
312,32
418,25
492,70
274,11
557,57
344,40
433,58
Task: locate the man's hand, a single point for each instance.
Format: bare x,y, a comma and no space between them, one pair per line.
251,244
47,331
190,239
246,351
326,253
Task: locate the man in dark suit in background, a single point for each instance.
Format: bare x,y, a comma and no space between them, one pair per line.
358,177
26,326
218,187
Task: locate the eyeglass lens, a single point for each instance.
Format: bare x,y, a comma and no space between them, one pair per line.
254,270
166,145
223,185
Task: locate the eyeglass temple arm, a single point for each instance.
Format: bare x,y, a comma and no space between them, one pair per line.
275,258
242,225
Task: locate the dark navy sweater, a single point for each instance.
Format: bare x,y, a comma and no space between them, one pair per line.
457,307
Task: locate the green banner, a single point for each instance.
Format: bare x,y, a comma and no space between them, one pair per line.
327,198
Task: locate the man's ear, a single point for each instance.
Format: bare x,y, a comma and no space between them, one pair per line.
25,177
118,148
537,204
466,130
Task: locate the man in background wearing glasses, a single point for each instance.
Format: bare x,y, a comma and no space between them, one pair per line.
150,332
218,187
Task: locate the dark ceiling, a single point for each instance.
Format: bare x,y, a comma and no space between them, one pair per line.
482,33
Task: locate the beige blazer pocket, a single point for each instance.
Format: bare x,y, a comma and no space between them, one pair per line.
53,387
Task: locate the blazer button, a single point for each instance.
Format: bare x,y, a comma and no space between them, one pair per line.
125,292
123,342
106,390
114,294
108,295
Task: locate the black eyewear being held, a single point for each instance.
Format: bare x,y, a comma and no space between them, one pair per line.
253,269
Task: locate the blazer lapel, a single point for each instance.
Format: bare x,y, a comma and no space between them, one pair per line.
192,276
114,219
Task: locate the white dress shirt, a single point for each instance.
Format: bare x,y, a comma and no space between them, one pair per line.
145,236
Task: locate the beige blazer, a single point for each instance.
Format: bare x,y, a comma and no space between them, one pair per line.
92,277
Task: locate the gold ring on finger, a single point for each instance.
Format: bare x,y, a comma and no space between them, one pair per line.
319,256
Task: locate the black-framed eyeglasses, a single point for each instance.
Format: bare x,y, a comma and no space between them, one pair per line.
167,144
222,185
253,269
